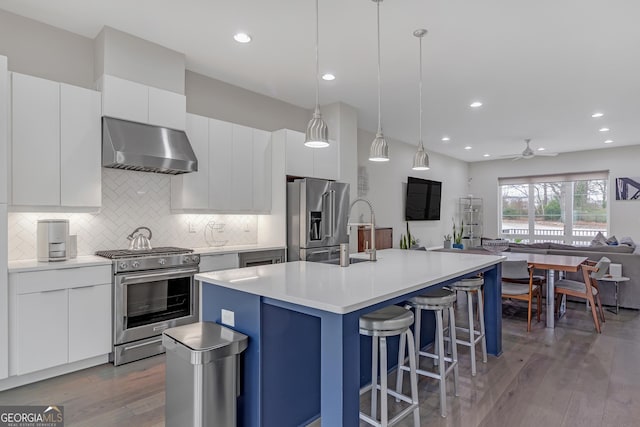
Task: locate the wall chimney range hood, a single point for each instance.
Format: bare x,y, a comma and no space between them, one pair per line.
146,148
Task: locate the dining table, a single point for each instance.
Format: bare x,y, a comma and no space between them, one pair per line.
551,264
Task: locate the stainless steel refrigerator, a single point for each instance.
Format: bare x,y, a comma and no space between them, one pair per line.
317,212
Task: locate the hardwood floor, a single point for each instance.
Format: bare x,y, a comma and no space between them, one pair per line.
570,376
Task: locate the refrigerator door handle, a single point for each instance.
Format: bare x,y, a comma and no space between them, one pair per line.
332,212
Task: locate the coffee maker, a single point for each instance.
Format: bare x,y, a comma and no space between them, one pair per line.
53,240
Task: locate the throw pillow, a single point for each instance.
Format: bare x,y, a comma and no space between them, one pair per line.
612,241
628,241
599,240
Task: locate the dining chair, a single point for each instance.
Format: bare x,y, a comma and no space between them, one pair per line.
588,288
513,287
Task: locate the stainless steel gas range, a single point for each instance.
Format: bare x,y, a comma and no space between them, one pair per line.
153,290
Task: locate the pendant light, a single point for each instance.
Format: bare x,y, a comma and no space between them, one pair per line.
317,134
379,149
421,159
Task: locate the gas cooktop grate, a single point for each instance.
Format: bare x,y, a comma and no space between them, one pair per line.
129,253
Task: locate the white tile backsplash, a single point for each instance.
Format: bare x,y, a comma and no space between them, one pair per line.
129,200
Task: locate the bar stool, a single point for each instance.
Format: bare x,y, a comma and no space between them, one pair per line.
436,300
470,286
380,324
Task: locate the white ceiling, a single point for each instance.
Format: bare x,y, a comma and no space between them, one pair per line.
541,68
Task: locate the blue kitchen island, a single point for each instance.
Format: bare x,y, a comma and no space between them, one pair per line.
304,357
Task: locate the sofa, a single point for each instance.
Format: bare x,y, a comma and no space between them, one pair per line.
629,292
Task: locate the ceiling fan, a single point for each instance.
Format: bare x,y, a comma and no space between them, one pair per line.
528,153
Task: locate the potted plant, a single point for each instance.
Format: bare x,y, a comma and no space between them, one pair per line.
457,236
447,241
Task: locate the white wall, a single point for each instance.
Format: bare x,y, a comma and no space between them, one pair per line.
214,98
624,215
45,51
132,58
387,188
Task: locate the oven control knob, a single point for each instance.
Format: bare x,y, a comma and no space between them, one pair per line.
186,259
123,265
162,261
195,258
135,264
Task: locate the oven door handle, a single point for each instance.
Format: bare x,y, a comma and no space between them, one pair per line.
173,274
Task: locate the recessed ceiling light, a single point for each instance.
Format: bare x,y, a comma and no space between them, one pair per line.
597,115
475,104
486,155
604,129
468,147
328,77
242,37
446,139
608,141
541,149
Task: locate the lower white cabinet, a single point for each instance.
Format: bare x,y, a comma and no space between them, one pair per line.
58,317
218,262
89,321
41,331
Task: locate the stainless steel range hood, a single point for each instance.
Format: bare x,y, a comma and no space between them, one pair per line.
146,148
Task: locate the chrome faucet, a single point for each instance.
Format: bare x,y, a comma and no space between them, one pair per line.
372,224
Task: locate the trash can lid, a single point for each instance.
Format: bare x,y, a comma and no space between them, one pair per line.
207,336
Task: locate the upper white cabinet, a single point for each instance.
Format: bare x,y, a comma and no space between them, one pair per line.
4,126
80,147
55,144
124,99
309,162
234,169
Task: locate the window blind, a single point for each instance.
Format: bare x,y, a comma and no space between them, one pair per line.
564,177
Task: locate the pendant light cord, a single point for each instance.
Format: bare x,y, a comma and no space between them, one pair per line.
420,95
317,61
379,79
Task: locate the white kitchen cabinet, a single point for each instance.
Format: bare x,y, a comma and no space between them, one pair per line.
261,169
4,130
124,99
299,158
127,100
80,147
304,161
41,331
220,169
35,141
234,169
242,169
58,316
215,262
55,144
89,321
326,161
167,109
191,190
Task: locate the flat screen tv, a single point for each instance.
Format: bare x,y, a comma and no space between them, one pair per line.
423,200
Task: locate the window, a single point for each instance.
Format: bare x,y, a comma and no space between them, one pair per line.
569,209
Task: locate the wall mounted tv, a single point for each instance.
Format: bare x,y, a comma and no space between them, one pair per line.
423,200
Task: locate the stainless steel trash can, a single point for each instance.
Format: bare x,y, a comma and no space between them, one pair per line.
202,375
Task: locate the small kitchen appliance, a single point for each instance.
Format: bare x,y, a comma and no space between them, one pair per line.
53,240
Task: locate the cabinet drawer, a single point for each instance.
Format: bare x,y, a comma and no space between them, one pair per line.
218,262
48,280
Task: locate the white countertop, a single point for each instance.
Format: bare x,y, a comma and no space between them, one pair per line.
345,289
19,266
33,265
212,250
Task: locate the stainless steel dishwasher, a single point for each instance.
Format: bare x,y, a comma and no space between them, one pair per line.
250,259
